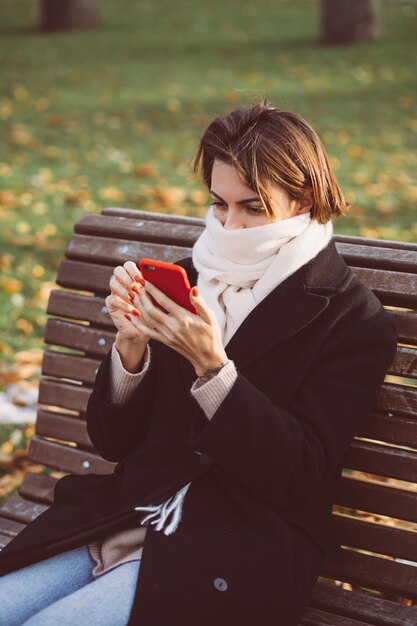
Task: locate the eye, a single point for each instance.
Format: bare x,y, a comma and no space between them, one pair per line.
255,211
219,205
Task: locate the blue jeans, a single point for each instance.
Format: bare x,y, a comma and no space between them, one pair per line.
62,591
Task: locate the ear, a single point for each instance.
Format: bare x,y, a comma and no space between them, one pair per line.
306,202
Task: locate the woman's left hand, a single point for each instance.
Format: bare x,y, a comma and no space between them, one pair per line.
195,337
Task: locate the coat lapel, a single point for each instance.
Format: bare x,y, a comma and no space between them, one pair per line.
289,308
284,312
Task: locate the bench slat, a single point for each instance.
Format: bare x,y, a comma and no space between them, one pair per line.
316,617
70,366
10,528
64,395
186,219
399,399
153,215
392,428
38,487
63,427
376,498
77,306
4,540
374,572
112,251
84,276
99,248
406,326
378,538
79,336
358,605
392,288
67,458
21,510
173,233
382,460
378,258
405,362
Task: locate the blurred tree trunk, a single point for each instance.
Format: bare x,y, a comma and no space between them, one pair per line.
350,21
69,14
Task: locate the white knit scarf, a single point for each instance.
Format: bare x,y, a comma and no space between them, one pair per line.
236,270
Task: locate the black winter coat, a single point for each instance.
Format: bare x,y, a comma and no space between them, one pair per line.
311,358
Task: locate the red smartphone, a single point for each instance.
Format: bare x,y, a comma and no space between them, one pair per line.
170,278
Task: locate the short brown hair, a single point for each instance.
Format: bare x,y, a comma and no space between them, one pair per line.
270,146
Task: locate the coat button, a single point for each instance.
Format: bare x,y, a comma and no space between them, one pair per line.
220,584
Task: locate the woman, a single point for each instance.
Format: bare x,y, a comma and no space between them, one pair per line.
228,427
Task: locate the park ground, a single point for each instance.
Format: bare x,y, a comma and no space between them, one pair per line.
111,117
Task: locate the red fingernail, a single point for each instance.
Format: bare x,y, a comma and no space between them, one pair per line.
128,317
195,292
140,280
135,289
136,312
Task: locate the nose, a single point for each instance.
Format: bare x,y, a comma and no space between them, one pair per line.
233,220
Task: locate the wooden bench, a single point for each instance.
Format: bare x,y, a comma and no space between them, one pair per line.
81,332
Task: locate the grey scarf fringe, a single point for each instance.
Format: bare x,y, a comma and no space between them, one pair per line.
162,511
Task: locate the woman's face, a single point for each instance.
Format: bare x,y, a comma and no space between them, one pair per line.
238,206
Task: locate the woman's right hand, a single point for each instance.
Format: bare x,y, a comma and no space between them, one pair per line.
124,286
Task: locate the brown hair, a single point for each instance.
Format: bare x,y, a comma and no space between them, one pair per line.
271,146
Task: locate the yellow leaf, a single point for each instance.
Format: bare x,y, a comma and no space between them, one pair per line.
11,285
167,196
8,199
199,197
20,92
356,151
22,228
5,170
37,271
49,229
7,447
25,326
6,109
112,193
41,104
20,135
173,105
145,170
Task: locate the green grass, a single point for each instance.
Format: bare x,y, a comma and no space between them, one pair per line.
81,111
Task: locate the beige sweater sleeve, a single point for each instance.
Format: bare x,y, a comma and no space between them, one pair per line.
122,382
210,395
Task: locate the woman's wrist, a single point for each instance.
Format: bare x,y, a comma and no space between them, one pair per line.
208,366
131,352
211,372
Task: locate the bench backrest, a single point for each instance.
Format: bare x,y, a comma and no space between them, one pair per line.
380,477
